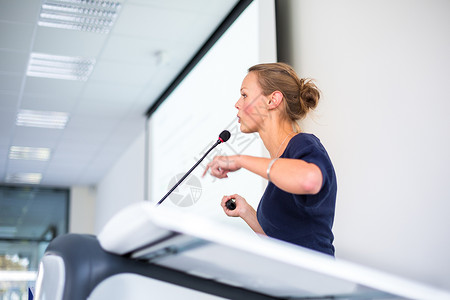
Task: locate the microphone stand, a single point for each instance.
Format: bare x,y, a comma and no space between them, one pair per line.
189,172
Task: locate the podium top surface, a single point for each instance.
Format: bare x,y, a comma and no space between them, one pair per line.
212,250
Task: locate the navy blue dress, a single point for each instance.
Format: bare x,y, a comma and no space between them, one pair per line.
305,220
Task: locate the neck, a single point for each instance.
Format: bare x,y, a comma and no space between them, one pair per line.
276,137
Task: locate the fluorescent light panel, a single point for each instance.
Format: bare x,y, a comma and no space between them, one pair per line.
84,15
18,275
30,178
44,119
30,153
60,67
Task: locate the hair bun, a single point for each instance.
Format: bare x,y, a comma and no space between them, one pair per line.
309,93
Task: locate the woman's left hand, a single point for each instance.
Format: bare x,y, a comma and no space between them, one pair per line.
221,165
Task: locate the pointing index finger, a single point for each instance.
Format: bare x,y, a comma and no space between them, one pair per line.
206,170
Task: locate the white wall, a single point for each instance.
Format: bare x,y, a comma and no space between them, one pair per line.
82,209
383,68
123,185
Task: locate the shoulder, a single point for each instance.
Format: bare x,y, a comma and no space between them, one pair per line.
305,140
308,147
304,144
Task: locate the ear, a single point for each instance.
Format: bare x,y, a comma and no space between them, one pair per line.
275,99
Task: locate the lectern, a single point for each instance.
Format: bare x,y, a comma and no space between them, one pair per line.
143,243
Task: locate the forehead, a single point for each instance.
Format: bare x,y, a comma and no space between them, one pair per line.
250,81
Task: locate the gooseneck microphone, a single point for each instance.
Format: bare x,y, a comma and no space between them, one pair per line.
223,137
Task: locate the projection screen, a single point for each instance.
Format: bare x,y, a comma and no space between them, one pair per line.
189,121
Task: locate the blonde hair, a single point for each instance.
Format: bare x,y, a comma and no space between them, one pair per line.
300,95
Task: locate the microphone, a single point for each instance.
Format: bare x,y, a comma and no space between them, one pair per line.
223,137
231,204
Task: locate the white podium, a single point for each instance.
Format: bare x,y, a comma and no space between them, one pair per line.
199,254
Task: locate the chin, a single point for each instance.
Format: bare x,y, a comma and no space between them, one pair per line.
245,129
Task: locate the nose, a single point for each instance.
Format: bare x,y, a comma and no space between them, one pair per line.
237,105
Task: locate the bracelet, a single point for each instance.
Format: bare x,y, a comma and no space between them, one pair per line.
270,166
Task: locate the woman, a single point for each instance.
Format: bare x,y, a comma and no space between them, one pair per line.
299,201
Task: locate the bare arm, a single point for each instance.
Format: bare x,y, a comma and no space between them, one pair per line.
244,211
294,176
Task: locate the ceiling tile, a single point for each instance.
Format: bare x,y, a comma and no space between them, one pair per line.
8,101
35,137
126,74
105,92
219,8
16,36
55,88
48,103
75,147
108,154
120,142
202,28
151,22
206,7
159,83
62,157
70,42
132,123
70,166
144,50
82,142
139,108
85,138
192,5
13,62
25,166
10,82
81,123
20,10
3,162
71,171
3,153
7,124
103,108
5,140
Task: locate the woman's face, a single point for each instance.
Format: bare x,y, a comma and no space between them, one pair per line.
252,106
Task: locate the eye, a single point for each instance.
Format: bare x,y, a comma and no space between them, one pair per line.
244,95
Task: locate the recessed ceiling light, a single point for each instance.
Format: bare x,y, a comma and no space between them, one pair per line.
60,67
84,15
31,153
30,178
44,119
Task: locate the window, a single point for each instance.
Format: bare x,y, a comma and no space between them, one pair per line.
30,217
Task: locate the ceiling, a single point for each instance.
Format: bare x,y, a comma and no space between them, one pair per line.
149,44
